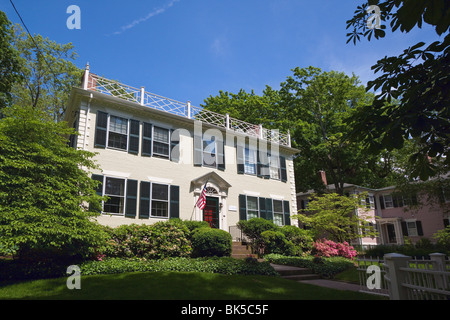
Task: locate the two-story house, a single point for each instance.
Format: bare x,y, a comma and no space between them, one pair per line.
397,217
157,155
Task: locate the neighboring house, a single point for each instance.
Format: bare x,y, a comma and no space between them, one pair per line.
156,155
396,217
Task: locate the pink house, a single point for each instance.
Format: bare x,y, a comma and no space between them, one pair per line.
395,217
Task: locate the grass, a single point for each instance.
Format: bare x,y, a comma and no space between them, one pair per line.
176,286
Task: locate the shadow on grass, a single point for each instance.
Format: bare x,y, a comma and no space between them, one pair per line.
176,286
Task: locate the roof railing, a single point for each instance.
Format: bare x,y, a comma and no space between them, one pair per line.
114,88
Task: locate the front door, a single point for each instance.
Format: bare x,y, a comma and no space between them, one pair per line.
211,212
391,233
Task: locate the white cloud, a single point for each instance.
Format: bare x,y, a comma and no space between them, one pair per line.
151,14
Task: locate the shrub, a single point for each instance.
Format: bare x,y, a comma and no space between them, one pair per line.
276,242
299,237
160,240
328,248
253,229
208,242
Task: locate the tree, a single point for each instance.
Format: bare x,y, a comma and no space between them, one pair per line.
334,216
9,62
47,198
418,78
313,105
48,74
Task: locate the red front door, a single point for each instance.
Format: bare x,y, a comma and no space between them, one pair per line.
211,212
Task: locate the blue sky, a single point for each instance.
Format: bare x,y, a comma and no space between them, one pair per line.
191,49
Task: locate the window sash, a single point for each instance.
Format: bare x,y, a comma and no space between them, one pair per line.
388,201
114,188
274,167
412,228
250,161
161,142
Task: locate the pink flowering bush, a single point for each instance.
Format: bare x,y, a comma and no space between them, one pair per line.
328,248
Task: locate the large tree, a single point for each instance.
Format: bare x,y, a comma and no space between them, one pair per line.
10,64
48,75
418,78
45,187
314,106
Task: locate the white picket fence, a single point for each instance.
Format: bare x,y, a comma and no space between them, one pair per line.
402,278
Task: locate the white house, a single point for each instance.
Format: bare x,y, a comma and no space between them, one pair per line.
156,155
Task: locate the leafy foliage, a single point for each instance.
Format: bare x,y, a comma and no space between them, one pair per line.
417,78
209,242
45,188
333,216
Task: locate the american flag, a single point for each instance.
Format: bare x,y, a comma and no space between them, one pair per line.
201,202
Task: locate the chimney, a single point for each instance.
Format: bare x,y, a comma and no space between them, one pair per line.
323,177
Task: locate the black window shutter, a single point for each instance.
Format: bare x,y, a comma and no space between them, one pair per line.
269,211
287,213
144,200
242,207
174,145
131,204
147,139
101,129
220,154
404,229
174,201
198,150
262,208
419,228
446,222
240,159
98,189
382,202
283,169
134,137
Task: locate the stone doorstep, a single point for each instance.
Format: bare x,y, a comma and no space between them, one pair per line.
295,273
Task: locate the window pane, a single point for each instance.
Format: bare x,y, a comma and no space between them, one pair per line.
117,140
160,191
118,125
250,161
252,203
161,148
114,205
277,206
278,219
114,187
160,209
252,214
274,167
161,135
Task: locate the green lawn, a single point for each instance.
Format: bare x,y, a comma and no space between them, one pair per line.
176,286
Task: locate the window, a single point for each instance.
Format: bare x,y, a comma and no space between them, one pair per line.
160,200
209,153
370,202
278,212
388,201
412,228
252,207
274,167
117,133
115,190
161,142
250,161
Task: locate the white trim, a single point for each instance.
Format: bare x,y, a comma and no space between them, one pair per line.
252,193
116,174
160,180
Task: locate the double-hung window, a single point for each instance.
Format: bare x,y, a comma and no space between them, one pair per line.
118,133
161,142
274,162
278,212
160,200
252,207
250,161
209,153
115,190
388,201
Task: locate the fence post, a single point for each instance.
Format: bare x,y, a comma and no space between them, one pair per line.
438,261
142,96
395,261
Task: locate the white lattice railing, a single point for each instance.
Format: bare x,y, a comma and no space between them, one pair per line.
113,88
